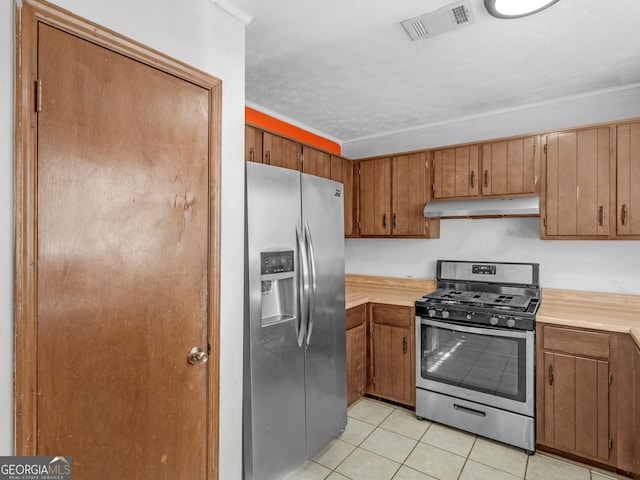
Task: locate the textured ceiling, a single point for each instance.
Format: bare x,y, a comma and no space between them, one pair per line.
347,68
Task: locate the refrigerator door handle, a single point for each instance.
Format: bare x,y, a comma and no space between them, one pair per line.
303,286
312,270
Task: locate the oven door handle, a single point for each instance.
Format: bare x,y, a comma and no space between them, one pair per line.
477,330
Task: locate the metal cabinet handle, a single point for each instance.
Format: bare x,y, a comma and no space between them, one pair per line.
395,221
486,178
550,374
623,214
197,356
252,152
268,157
384,220
404,344
473,177
601,215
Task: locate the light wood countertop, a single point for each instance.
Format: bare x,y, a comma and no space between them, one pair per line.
361,289
611,312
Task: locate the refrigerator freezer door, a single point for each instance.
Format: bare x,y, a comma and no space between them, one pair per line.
274,394
325,364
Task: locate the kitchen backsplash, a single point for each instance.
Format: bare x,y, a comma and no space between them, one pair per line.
608,266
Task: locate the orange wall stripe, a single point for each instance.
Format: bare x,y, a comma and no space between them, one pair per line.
262,120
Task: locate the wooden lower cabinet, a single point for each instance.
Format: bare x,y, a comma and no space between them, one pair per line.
573,392
588,396
356,353
392,353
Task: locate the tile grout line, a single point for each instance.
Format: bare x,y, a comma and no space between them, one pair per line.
358,446
466,458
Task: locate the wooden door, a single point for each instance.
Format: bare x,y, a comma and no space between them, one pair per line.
316,162
252,144
393,357
356,353
577,183
281,152
126,260
628,201
375,197
342,171
455,172
508,167
409,194
576,404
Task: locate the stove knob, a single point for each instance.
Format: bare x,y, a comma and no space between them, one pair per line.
445,314
510,322
468,316
493,320
431,312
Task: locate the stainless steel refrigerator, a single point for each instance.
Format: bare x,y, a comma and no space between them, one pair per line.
295,393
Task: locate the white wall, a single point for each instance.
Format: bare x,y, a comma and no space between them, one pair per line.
200,34
6,227
611,266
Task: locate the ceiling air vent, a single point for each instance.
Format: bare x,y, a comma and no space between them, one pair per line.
447,18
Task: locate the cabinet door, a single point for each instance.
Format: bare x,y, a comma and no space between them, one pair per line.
252,144
576,404
393,353
577,183
281,152
342,171
628,201
316,162
455,172
409,195
375,197
508,167
356,353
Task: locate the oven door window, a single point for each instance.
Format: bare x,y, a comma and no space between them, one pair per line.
483,361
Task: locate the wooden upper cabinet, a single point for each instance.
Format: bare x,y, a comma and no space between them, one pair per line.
455,172
409,194
252,144
375,197
281,152
508,167
393,192
575,199
493,169
628,179
316,162
342,171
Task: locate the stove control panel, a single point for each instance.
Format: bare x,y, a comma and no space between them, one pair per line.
490,319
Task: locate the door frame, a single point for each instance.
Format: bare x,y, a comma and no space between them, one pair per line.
27,16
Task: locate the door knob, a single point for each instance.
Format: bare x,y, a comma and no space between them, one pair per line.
196,355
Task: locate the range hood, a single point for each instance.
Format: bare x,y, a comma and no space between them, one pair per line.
494,207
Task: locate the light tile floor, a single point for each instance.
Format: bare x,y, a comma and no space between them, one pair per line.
384,442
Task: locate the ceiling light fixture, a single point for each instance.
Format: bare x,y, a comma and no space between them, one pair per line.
516,8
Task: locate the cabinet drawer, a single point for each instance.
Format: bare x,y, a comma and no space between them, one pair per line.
392,315
579,342
356,316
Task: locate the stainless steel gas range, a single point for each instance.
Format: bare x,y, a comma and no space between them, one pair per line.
476,350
